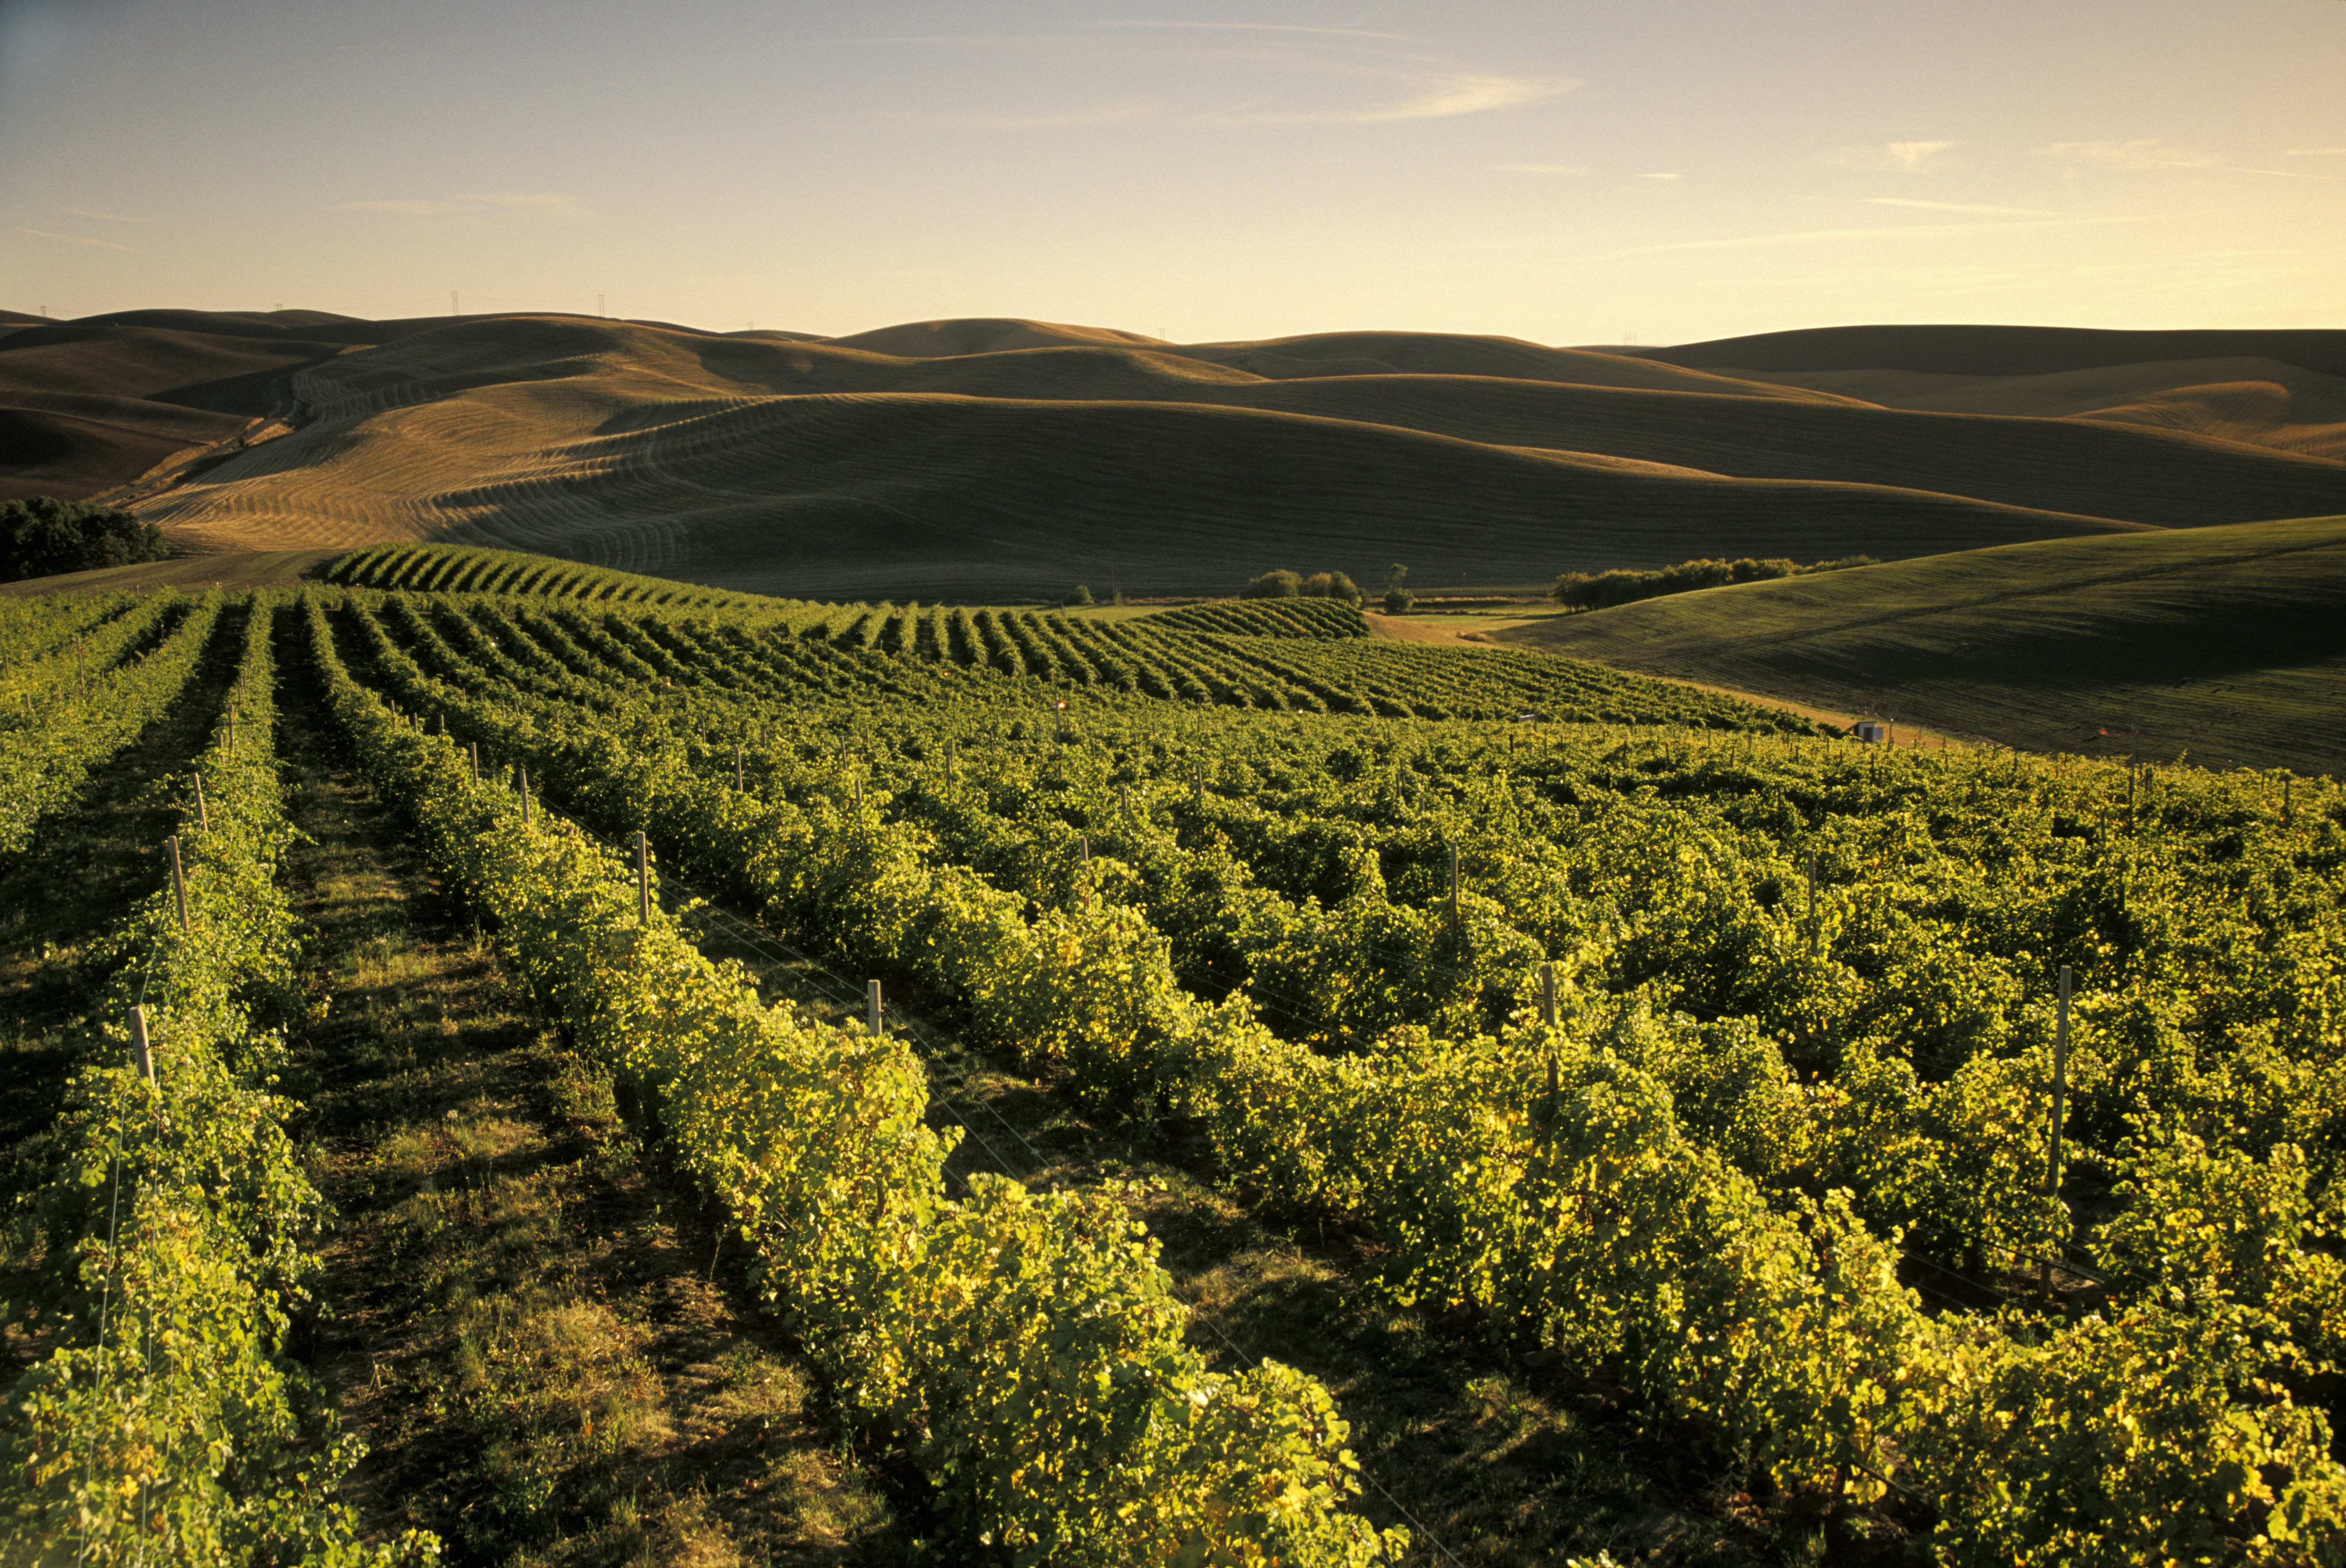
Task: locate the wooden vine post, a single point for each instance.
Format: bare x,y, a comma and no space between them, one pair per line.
522,776
179,884
477,762
1812,901
1547,994
2060,1089
1457,920
142,1057
737,782
871,1006
643,881
203,816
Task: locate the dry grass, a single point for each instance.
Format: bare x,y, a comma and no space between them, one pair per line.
2251,402
666,452
992,458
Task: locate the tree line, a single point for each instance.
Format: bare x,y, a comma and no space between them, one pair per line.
1581,591
1286,584
45,536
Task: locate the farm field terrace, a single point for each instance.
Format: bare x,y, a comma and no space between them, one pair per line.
1688,1073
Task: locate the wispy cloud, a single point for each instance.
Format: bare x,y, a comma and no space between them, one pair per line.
1245,74
1254,27
1920,205
1540,167
2151,153
2146,153
77,239
546,203
1661,177
1902,157
2316,152
105,217
1425,96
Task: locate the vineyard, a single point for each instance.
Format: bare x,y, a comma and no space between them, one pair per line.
1938,1152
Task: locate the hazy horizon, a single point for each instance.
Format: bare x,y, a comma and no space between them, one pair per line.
1200,172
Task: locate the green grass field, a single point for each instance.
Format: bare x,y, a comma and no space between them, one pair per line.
2226,644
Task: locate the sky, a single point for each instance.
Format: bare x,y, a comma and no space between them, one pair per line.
1653,171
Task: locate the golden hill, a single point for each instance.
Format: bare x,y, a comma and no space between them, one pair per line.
997,458
88,406
2285,390
680,453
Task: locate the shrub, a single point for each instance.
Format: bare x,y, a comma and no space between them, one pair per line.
45,536
1399,601
1579,591
1082,595
1338,586
1286,584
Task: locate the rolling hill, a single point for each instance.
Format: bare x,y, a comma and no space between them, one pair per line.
2283,390
2224,643
990,459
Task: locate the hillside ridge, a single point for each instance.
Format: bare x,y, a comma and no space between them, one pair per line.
993,458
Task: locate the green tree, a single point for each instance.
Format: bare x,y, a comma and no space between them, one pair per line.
45,536
1399,601
1279,585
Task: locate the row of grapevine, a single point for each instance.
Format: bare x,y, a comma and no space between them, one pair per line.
1321,668
58,669
1187,656
1862,969
441,568
1545,1181
1025,1349
45,765
1165,657
1856,974
1963,1178
1915,975
1318,619
39,626
168,1424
